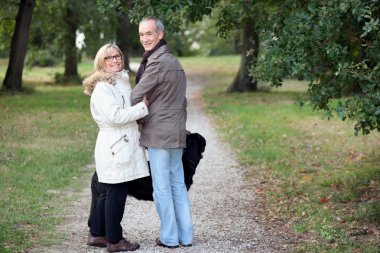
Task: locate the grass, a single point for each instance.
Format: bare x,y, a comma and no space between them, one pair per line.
313,173
42,76
47,139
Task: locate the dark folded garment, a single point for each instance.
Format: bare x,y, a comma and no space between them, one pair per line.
142,188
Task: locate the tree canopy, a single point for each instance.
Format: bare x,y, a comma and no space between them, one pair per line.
336,46
333,44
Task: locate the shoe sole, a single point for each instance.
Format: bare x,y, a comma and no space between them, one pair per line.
97,245
159,243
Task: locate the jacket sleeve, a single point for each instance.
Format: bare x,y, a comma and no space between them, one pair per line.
104,107
148,81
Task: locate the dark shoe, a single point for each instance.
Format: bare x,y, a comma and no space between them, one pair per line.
159,243
122,245
96,241
186,245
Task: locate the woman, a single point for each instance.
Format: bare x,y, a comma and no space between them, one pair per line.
118,156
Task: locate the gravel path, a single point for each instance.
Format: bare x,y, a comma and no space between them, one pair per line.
224,219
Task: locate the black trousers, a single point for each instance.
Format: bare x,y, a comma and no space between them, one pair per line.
108,212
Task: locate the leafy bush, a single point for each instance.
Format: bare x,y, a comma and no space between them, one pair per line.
335,46
41,58
61,79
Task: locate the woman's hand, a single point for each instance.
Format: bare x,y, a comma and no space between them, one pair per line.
145,100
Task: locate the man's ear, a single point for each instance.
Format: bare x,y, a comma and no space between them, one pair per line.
161,35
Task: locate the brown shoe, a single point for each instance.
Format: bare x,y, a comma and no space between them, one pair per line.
122,245
96,241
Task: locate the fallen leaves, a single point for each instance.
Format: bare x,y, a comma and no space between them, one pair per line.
324,200
354,156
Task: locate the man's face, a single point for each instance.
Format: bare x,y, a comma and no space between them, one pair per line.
148,34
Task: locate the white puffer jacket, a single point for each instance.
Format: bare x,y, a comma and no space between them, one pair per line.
118,155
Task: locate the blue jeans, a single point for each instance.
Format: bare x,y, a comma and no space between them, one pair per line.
170,196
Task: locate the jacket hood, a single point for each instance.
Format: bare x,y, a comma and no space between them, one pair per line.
90,82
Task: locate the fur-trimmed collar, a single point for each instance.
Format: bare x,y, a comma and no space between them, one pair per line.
100,76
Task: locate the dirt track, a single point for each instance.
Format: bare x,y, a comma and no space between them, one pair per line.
223,204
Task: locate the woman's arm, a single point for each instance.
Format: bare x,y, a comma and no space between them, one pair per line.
104,107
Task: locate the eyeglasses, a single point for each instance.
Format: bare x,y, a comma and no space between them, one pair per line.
113,57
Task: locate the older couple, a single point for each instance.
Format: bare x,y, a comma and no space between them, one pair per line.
158,101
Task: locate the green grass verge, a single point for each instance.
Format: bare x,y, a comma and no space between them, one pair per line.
47,138
315,173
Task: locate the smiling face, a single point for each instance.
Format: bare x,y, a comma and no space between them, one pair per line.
113,61
149,37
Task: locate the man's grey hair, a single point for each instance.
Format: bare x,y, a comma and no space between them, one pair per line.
159,26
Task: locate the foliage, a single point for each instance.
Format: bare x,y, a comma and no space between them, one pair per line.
8,14
231,14
335,45
60,78
174,14
41,58
98,30
49,19
313,175
200,38
183,33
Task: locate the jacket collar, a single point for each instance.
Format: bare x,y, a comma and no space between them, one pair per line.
160,51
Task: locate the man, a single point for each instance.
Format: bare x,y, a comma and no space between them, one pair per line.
161,78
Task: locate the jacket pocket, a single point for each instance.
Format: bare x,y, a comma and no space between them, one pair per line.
120,150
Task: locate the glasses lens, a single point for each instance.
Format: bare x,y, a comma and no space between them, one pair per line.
110,58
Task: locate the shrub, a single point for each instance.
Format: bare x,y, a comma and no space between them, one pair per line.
41,58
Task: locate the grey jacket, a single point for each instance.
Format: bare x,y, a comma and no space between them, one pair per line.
164,83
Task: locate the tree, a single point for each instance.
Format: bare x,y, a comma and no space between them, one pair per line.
333,44
241,16
250,52
118,28
232,15
13,76
8,12
71,21
177,13
98,29
56,26
123,30
249,18
174,14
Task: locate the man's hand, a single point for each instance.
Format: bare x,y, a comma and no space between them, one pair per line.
145,100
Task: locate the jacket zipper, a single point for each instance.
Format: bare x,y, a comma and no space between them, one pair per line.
124,137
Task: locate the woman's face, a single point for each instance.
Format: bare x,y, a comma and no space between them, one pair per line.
113,61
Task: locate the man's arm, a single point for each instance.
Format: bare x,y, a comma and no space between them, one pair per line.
148,81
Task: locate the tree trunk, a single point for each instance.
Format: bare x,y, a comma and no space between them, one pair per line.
13,77
123,31
70,49
250,52
123,36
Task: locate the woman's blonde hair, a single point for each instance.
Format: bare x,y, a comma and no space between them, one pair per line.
99,62
101,73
